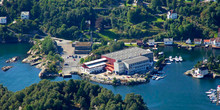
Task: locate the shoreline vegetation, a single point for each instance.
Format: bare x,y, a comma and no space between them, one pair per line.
212,64
44,55
72,94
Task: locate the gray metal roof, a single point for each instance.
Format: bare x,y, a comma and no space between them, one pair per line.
136,59
168,39
127,53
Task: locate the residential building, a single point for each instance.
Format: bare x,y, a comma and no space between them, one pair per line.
206,41
139,43
82,47
168,41
197,41
129,61
138,2
25,15
202,70
217,42
218,88
3,20
151,42
188,41
212,41
171,15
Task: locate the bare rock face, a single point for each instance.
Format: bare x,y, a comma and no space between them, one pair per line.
6,68
14,59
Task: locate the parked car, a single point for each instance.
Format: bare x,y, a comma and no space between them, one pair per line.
79,56
66,64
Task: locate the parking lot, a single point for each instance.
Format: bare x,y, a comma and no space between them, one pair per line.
71,60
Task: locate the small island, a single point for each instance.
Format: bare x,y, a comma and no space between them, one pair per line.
210,66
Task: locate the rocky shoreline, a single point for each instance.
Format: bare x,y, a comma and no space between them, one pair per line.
119,81
40,60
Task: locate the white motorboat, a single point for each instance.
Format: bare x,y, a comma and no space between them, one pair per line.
210,91
157,78
170,58
180,58
198,76
176,59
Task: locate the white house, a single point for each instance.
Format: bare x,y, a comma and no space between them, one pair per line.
212,41
217,42
197,41
3,20
188,41
203,71
151,42
168,41
25,15
171,15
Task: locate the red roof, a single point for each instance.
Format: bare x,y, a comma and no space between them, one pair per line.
206,40
109,68
212,39
197,40
171,11
139,41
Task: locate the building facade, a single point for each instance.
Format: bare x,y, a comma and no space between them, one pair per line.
130,61
151,42
25,15
188,41
82,47
168,41
171,15
197,41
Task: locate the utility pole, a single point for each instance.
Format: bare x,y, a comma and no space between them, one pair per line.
89,22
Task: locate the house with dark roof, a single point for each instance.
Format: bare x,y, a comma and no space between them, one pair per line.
82,47
140,43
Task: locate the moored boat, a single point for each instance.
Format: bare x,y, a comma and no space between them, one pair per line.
176,59
170,58
180,58
198,76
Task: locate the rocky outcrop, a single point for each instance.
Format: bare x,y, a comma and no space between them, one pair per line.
6,68
40,60
12,59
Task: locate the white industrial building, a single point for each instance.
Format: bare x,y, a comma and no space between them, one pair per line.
94,66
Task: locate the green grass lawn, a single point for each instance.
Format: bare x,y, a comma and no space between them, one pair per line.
159,20
216,35
108,35
131,45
